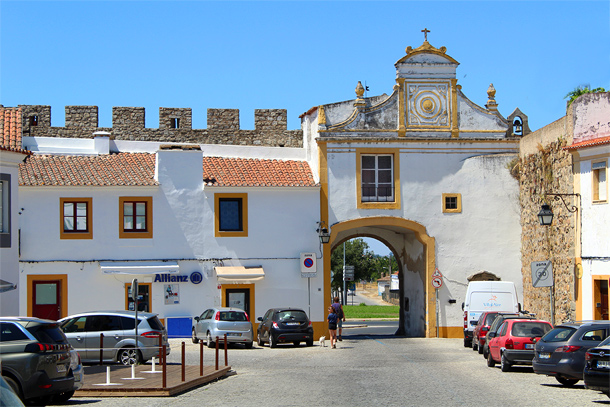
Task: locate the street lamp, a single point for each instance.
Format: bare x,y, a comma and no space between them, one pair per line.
323,232
545,216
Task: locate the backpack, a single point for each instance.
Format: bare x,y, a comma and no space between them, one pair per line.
338,310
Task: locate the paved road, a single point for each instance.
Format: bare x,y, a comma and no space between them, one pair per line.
367,370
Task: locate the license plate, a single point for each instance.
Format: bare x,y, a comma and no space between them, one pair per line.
292,323
233,334
529,346
603,364
61,368
544,355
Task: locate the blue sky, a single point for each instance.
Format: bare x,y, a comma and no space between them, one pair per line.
291,54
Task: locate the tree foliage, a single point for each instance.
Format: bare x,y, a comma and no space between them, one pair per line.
581,90
367,265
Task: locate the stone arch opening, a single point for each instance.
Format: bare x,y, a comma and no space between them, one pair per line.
414,251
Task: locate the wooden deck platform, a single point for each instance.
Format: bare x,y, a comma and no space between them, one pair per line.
148,384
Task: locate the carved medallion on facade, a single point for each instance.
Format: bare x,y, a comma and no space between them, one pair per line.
427,104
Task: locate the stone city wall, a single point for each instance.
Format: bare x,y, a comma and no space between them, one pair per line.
545,167
175,125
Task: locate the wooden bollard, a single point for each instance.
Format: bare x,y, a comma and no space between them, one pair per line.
216,353
200,358
164,367
226,352
101,349
183,362
161,361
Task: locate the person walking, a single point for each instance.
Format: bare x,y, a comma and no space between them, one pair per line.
332,327
340,316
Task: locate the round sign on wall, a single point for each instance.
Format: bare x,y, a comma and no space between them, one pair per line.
437,282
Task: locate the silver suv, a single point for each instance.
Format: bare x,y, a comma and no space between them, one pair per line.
119,341
35,359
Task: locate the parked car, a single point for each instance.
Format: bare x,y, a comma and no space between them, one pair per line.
8,397
514,342
280,325
497,323
597,368
84,330
216,322
561,352
35,358
481,329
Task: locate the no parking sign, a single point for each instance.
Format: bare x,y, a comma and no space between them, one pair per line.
308,265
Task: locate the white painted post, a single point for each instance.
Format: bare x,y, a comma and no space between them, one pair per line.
153,363
107,374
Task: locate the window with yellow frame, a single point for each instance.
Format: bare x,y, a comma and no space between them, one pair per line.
75,218
230,215
377,178
135,217
599,182
452,203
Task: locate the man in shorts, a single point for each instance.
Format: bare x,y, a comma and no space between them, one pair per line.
340,315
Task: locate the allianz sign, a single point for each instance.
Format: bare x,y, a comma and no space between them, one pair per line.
195,278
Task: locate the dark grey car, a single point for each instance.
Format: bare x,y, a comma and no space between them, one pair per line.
561,352
119,341
35,359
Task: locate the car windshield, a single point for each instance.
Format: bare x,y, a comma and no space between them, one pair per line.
529,329
155,323
559,334
232,316
605,342
490,318
292,315
48,333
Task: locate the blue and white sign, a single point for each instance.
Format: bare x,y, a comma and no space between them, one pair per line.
195,278
308,265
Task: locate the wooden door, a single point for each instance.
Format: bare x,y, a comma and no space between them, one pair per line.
47,299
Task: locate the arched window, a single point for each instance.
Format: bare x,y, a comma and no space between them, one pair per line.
517,126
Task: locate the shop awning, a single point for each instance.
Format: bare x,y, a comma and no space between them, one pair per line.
156,267
239,274
6,286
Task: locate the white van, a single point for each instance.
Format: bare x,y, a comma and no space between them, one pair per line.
482,296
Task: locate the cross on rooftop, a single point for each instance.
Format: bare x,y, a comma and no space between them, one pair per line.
425,31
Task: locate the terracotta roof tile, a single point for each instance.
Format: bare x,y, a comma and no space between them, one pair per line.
248,172
10,129
123,169
588,143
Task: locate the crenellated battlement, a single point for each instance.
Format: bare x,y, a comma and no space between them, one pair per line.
175,125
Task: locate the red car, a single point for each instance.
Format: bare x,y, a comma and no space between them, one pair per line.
514,342
478,335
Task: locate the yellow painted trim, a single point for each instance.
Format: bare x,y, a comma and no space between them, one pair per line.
76,235
63,278
244,208
251,304
126,286
595,298
455,131
402,108
149,218
450,331
320,328
396,172
578,290
459,203
326,252
420,234
404,140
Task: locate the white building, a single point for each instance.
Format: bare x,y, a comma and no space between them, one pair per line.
591,151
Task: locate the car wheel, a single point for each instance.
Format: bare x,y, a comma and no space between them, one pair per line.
129,356
474,345
259,340
490,361
248,345
309,342
14,385
63,397
296,343
208,340
504,365
194,337
272,341
485,352
467,343
566,382
480,349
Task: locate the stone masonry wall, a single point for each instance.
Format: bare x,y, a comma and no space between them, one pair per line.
128,123
548,170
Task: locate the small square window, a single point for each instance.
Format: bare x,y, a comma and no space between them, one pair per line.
231,215
135,217
174,123
452,203
76,218
33,120
599,187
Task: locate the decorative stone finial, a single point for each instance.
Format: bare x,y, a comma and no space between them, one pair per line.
321,115
359,90
491,102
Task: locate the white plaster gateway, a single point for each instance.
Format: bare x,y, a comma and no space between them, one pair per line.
423,170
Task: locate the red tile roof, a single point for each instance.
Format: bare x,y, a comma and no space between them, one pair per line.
588,143
123,169
248,172
10,129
